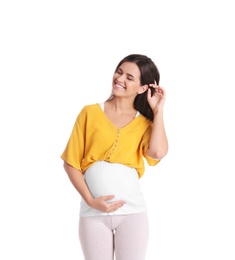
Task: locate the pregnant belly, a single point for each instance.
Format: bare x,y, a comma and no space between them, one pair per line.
104,178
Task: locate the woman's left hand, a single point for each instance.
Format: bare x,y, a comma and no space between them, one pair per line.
156,101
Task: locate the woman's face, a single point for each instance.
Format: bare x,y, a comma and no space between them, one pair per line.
126,80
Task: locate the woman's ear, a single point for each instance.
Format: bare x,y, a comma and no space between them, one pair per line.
143,88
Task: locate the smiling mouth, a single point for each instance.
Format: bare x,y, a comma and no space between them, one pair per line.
116,85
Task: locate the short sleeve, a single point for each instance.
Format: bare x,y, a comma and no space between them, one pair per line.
74,150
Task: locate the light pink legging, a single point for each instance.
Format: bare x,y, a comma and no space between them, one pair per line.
122,236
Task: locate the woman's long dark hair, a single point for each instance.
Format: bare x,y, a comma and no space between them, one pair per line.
148,75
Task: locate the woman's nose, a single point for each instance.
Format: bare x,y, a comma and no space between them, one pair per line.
120,78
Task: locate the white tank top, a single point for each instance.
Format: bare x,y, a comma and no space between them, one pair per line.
104,178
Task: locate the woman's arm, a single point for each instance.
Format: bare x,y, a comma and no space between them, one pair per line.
99,203
158,145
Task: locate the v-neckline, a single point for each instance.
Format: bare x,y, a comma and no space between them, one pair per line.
101,106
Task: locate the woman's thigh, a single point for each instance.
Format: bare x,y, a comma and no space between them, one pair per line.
96,238
131,237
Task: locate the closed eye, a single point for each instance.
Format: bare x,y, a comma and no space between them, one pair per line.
129,76
119,71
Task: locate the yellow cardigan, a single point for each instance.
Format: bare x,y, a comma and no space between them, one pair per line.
94,138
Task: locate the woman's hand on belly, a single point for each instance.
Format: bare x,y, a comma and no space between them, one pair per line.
103,204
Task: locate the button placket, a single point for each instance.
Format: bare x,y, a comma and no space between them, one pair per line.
114,145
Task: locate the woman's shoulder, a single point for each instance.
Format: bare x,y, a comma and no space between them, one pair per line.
90,110
91,107
143,119
142,123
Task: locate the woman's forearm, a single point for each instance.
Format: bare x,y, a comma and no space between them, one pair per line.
158,145
76,178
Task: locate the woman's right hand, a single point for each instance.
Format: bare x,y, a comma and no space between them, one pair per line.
103,204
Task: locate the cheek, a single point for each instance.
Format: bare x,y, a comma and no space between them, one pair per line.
134,89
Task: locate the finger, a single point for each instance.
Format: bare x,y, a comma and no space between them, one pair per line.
108,197
160,90
153,85
117,203
149,93
115,207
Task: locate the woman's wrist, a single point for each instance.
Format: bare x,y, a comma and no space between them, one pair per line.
157,112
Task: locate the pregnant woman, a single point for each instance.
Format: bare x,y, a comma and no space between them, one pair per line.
104,160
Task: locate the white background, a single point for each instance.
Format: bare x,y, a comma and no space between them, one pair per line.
55,57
